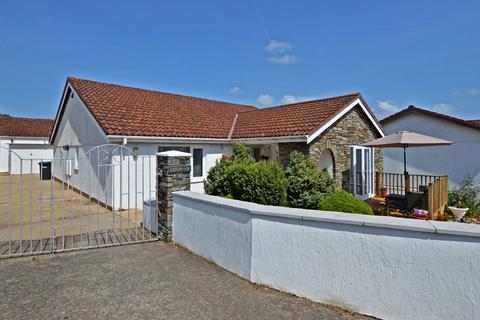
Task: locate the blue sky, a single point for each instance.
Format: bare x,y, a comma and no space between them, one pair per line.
259,52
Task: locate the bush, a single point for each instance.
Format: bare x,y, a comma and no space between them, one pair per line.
466,195
306,184
242,153
217,183
258,182
344,202
244,179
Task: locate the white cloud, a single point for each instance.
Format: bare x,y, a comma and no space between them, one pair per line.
265,100
442,108
287,99
467,92
278,46
388,106
235,90
286,59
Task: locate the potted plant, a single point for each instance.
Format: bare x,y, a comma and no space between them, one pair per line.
383,192
459,210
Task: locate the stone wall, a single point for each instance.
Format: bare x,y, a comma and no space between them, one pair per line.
173,174
354,128
284,150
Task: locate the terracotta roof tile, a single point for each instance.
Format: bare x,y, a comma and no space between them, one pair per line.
290,120
25,127
124,110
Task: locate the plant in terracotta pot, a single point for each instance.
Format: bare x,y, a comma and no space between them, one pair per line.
459,210
383,192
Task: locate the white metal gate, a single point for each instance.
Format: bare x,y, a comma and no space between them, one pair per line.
81,198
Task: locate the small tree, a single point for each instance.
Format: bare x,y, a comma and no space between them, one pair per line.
306,184
242,153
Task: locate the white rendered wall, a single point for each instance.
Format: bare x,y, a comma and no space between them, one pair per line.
386,267
130,181
80,131
26,148
456,161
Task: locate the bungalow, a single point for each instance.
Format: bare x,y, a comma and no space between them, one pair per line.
24,138
456,160
330,130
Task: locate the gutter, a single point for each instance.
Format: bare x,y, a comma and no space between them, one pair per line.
137,139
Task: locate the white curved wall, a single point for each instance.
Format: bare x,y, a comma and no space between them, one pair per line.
386,267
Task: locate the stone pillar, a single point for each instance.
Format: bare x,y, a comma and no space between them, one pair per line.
173,174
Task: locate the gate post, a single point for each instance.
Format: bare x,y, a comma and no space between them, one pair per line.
173,174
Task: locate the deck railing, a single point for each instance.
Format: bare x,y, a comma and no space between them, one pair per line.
436,186
395,182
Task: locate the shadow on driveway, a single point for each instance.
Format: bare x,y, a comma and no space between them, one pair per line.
146,281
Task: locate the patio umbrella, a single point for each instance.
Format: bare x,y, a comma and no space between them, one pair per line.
407,139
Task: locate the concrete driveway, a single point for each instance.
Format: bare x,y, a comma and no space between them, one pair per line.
146,281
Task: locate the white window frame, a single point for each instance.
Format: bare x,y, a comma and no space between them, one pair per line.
368,180
190,148
202,177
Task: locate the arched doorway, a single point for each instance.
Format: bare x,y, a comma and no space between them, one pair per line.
327,162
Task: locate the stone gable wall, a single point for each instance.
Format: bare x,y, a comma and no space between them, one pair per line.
284,150
354,128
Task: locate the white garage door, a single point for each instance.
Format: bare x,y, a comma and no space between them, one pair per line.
31,155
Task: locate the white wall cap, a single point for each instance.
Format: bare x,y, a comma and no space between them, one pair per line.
452,228
456,228
333,217
173,153
398,223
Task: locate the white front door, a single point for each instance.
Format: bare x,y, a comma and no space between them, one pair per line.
362,171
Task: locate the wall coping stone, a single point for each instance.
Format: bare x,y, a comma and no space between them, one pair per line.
439,227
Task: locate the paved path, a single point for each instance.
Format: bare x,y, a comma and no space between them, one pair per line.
146,281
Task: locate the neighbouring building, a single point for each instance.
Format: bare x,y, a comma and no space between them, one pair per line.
330,130
26,139
456,161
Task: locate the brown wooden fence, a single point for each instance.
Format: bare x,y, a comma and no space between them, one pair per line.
437,197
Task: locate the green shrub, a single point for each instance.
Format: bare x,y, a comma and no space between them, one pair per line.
466,195
242,153
216,183
258,182
244,179
306,184
343,201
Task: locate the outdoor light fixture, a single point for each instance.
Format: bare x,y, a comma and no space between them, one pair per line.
66,147
135,152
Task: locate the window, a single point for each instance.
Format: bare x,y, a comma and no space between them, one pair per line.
197,162
362,171
75,161
256,154
167,148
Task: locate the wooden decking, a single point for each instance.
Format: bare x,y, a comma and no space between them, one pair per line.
97,239
435,188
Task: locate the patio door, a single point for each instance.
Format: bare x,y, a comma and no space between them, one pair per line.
362,171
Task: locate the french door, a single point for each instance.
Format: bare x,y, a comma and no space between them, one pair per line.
362,171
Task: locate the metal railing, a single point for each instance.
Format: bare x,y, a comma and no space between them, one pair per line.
88,201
